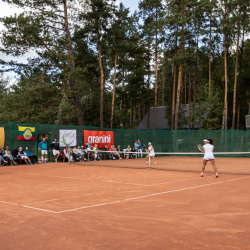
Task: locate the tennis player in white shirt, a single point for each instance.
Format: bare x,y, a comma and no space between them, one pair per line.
208,150
151,153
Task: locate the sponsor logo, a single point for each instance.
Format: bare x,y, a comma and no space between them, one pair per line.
99,139
27,134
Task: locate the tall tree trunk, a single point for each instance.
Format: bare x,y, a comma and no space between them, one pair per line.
196,62
148,107
102,79
210,70
185,88
195,69
174,83
76,96
156,76
225,66
123,88
189,98
134,115
163,89
235,72
113,97
180,73
139,111
238,117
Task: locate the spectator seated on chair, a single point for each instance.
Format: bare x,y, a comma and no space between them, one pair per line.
97,155
68,154
33,158
2,161
81,154
116,153
15,154
8,155
111,153
2,153
24,157
129,150
74,153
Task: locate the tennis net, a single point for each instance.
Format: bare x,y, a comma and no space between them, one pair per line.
226,162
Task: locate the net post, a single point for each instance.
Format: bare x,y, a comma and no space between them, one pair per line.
149,161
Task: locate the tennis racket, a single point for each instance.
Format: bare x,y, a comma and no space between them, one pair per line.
200,147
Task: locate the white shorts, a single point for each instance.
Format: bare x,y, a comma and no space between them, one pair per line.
151,154
56,152
208,157
44,152
24,157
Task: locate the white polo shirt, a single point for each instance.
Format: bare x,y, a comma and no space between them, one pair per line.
209,149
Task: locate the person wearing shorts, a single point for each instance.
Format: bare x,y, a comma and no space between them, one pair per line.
139,148
151,153
208,150
24,157
44,151
55,149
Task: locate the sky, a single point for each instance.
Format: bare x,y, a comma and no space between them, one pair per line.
8,10
131,4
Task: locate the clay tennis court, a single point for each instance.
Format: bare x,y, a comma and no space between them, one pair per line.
99,205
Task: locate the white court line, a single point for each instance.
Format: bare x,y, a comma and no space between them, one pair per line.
14,204
40,209
149,195
124,200
66,198
77,178
9,203
117,190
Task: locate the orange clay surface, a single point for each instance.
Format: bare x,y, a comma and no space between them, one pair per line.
97,205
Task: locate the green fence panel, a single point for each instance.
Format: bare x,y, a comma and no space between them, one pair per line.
162,140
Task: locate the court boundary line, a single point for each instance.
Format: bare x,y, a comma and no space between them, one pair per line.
124,200
149,195
85,179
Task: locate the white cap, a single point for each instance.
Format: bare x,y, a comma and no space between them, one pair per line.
206,140
149,143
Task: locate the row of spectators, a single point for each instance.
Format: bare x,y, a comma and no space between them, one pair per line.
79,153
8,157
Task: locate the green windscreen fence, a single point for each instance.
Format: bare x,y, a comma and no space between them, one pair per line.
162,140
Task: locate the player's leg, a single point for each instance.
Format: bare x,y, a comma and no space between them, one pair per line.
215,168
153,157
42,153
204,163
147,159
46,158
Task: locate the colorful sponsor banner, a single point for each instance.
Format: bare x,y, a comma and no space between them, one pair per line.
101,138
26,133
67,138
2,137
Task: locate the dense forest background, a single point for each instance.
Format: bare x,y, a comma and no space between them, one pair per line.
97,64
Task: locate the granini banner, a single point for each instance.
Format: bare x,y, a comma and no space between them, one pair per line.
26,133
101,138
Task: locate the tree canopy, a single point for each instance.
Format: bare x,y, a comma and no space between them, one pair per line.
97,64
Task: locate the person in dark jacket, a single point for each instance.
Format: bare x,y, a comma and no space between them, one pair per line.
56,149
15,154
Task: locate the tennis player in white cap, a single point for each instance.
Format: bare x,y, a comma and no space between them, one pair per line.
151,153
208,150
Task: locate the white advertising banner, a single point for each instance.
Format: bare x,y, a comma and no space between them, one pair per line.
67,138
